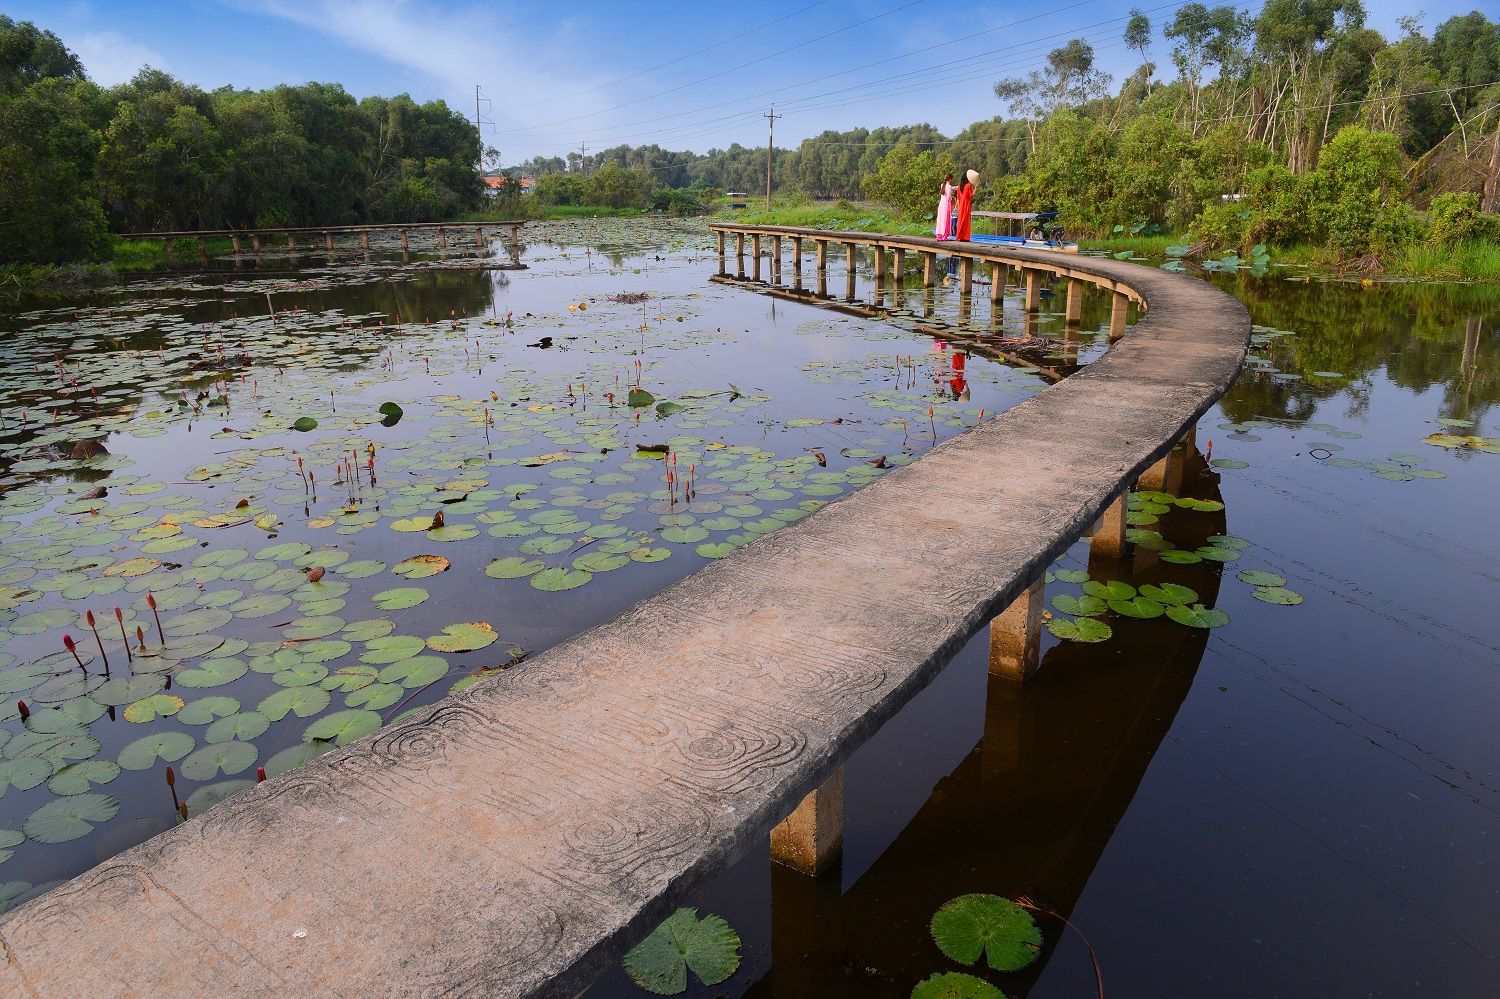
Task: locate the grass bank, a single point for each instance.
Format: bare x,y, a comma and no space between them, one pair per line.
1461,260
844,215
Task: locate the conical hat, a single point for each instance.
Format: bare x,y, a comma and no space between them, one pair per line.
973,176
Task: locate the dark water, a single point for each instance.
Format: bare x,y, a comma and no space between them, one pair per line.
1297,803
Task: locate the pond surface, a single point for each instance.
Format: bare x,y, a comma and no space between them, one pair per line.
1294,801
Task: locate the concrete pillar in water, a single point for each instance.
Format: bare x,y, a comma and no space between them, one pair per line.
879,257
997,281
929,268
755,256
365,240
254,242
442,238
739,254
898,267
515,239
1117,312
291,246
1033,290
811,838
405,242
720,234
479,237
1016,635
966,276
234,242
1166,474
1074,310
849,267
1109,533
797,262
776,259
202,249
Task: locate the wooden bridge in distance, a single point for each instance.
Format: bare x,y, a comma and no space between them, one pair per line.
327,232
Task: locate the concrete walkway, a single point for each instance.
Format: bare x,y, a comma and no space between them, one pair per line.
517,839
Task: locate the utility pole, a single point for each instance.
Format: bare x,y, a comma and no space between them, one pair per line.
480,121
583,158
770,118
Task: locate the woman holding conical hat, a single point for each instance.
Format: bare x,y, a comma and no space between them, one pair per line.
964,204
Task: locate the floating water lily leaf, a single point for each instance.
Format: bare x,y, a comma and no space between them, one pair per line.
1214,553
665,409
243,726
294,756
169,747
153,707
198,622
342,727
123,690
77,778
391,414
391,649
1115,589
956,984
421,566
312,628
23,773
1138,606
1070,575
400,598
1277,595
1198,616
70,818
210,795
709,947
1088,606
1181,557
1083,629
1257,577
228,758
1228,541
418,671
639,398
300,674
465,637
305,423
1169,593
971,925
552,580
304,702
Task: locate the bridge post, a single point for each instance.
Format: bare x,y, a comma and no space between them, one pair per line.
1166,474
234,242
739,254
755,256
366,240
811,838
776,259
515,238
254,242
1033,290
797,262
1016,635
1074,310
898,267
722,269
1109,533
997,282
327,240
966,276
879,264
849,268
291,244
202,250
822,257
479,237
929,268
1117,312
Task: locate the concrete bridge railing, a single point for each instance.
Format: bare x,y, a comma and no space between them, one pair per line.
518,838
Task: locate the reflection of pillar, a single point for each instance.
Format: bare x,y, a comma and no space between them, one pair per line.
479,237
811,838
755,256
442,238
203,249
1002,746
254,242
1016,635
1033,290
720,234
1109,534
849,267
739,254
1117,312
997,281
929,302
365,240
405,241
806,929
776,259
1074,310
898,268
929,268
878,252
1070,344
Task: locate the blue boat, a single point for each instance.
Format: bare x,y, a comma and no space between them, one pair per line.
1033,230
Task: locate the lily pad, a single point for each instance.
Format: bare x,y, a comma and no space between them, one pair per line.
153,707
1257,577
123,690
1169,593
23,773
1277,595
77,778
709,947
1198,616
465,637
421,566
1002,931
168,747
1115,589
1083,629
956,984
342,727
228,758
1137,606
552,580
400,598
1088,606
304,702
242,726
70,818
391,649
295,756
206,709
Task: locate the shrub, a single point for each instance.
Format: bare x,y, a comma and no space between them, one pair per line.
908,182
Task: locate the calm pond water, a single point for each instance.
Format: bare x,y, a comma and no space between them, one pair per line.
1293,802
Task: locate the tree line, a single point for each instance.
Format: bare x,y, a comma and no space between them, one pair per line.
78,161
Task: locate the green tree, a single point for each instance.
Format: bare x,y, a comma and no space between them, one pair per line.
29,54
49,209
1069,79
909,182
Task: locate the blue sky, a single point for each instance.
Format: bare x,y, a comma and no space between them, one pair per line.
685,75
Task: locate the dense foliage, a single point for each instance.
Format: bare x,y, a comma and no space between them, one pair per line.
77,160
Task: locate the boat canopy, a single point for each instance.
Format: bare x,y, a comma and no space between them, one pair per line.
1016,216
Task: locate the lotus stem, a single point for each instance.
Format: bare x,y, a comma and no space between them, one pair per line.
120,620
172,786
151,602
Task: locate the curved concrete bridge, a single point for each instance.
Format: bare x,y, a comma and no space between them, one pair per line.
517,839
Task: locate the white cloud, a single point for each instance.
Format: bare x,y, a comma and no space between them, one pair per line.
111,58
458,48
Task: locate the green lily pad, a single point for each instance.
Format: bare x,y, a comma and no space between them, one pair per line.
168,747
299,675
1115,589
342,727
242,726
513,567
228,758
709,947
416,672
1257,577
1169,593
1198,616
1089,606
956,984
123,690
1138,606
309,628
304,424
153,707
70,818
971,925
210,795
392,648
1277,595
552,580
295,756
1180,557
465,637
421,566
1083,629
77,778
304,702
23,773
1070,575
400,598
206,709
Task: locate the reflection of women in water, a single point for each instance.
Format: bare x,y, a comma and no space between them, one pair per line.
943,229
966,204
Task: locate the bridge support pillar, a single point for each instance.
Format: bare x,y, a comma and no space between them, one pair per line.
479,237
442,238
1117,311
1074,310
254,243
755,256
202,249
405,242
997,282
879,258
966,276
1033,290
1016,635
1109,533
929,269
234,242
739,254
515,239
797,262
822,258
898,266
811,838
328,241
722,269
291,245
849,267
1166,474
365,237
776,259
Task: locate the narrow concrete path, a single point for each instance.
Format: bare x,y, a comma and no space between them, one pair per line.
516,839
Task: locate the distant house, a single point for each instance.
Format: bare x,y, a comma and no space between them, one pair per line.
494,184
